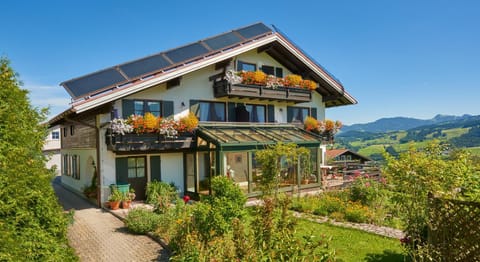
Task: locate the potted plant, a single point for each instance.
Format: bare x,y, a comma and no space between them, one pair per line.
128,198
115,198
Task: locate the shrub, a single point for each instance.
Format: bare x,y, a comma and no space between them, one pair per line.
160,195
366,190
356,212
142,221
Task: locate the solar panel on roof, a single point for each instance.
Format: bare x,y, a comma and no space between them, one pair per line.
144,66
254,30
93,82
185,53
222,41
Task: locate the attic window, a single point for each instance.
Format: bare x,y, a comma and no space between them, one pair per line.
243,66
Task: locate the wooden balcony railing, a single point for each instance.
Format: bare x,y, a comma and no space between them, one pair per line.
147,142
298,95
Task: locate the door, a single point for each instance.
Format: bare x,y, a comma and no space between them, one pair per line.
132,170
172,170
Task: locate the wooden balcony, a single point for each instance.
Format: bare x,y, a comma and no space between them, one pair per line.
148,142
297,95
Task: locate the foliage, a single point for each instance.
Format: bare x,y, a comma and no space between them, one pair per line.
352,245
160,195
260,78
141,220
151,124
115,195
327,127
415,174
271,160
188,123
367,191
32,224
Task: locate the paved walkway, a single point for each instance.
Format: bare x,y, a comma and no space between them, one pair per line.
97,235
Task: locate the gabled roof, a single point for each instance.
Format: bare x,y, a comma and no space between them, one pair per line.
101,87
333,153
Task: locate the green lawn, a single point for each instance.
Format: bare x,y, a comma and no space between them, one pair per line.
355,245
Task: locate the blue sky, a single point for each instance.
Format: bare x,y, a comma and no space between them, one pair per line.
398,58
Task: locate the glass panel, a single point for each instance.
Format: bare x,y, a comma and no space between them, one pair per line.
256,174
141,172
219,112
203,173
140,162
256,112
246,66
138,108
237,169
131,162
132,173
299,114
154,108
209,111
190,170
269,70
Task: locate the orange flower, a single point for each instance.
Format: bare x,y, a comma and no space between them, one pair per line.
259,77
150,122
293,80
309,84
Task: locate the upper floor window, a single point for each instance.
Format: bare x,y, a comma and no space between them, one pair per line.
297,114
250,113
55,135
274,71
209,111
140,107
246,66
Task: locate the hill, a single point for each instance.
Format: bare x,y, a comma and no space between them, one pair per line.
459,132
401,123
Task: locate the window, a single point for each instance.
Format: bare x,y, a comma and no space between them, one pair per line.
71,166
210,111
55,135
297,114
72,130
140,107
246,66
136,167
256,113
64,132
274,71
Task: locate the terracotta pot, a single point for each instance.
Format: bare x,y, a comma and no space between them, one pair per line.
114,205
304,181
126,204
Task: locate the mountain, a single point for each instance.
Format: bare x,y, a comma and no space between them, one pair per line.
457,131
400,123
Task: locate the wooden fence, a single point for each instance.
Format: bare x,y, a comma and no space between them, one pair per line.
454,230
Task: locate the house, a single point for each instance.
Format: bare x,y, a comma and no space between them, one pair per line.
236,118
340,156
51,149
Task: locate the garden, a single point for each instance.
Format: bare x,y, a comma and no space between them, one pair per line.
221,228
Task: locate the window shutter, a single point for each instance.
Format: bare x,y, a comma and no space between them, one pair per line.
121,170
167,109
127,108
289,114
231,112
155,168
270,113
313,112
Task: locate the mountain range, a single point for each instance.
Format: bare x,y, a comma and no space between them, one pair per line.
401,123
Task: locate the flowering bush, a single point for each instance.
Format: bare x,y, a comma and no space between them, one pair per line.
327,127
152,124
260,78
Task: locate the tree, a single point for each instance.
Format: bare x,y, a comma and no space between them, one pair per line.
32,223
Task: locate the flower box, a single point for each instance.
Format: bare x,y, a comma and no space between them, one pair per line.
148,142
298,95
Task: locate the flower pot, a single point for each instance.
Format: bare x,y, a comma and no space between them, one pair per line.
126,204
114,205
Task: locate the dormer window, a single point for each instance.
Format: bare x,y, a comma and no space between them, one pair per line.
243,66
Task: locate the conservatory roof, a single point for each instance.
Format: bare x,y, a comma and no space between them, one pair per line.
248,136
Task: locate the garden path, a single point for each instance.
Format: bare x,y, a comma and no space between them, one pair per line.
97,235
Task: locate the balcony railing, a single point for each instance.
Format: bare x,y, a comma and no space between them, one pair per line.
148,142
298,95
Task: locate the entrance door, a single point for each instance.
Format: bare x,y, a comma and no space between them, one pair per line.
132,170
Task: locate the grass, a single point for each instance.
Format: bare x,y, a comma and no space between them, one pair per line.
354,245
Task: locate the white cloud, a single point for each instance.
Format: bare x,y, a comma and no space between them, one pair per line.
54,97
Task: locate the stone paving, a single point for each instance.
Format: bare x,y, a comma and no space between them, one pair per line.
97,235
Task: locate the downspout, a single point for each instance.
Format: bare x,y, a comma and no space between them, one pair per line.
99,175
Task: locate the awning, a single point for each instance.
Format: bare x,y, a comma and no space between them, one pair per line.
241,136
